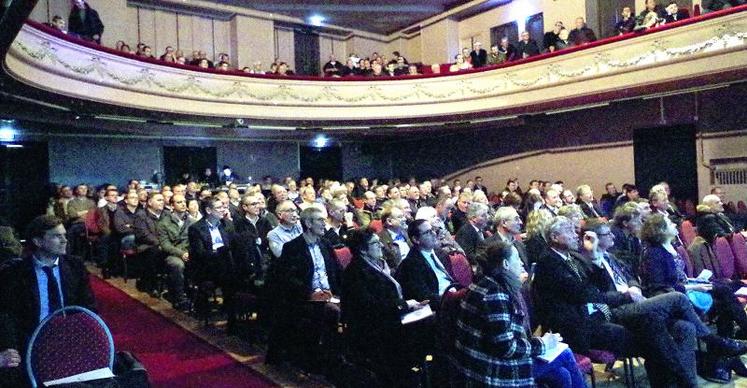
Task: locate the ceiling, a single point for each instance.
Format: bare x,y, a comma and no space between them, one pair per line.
380,17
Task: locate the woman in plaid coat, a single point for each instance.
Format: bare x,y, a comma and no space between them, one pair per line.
493,348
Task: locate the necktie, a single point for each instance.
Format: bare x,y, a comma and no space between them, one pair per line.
616,271
602,307
53,291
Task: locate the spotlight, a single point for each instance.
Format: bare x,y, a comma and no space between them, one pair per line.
7,131
320,141
316,20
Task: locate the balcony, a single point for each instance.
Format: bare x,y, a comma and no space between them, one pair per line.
696,52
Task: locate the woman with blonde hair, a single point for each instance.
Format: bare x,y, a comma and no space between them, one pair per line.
535,242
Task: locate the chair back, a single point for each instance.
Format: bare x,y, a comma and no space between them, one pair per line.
688,261
722,249
447,316
70,341
687,232
739,249
461,270
92,221
344,256
376,225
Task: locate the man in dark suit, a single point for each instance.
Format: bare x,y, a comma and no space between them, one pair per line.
424,274
552,201
674,13
306,282
626,226
150,255
581,34
85,22
251,235
339,223
395,243
508,224
210,253
470,235
527,47
39,284
479,56
585,200
712,222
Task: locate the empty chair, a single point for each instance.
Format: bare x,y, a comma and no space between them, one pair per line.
461,270
722,249
739,249
343,256
688,261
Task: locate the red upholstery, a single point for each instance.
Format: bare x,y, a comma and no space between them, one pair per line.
584,363
739,249
687,233
601,356
722,249
696,10
70,345
688,262
448,314
344,256
376,225
461,271
358,203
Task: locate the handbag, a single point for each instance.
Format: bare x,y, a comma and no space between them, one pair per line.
702,301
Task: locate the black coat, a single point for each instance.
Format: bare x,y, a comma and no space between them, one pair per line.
469,239
206,263
418,280
370,305
87,27
293,271
479,58
19,296
713,225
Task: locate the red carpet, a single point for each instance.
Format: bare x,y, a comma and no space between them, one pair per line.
173,356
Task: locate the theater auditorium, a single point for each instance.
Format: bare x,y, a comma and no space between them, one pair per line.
410,193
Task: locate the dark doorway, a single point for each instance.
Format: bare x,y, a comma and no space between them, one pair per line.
510,30
667,154
24,172
192,160
321,162
609,12
306,45
535,25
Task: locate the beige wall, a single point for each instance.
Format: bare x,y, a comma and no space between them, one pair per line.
247,51
440,41
478,27
592,166
364,47
328,46
284,47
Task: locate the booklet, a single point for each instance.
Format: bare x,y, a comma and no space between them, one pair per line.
417,315
741,292
98,374
550,354
704,277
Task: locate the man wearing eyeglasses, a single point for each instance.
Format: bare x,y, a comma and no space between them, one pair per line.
251,233
288,227
425,273
305,280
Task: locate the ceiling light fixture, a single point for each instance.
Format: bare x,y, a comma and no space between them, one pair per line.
316,20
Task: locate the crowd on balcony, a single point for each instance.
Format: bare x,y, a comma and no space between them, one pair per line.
85,23
606,273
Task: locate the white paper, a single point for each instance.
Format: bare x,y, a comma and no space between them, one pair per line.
741,292
334,300
103,373
705,275
550,354
417,315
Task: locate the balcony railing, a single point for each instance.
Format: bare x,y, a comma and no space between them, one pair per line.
697,47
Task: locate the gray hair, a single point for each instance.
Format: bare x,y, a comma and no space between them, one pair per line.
476,209
556,225
504,213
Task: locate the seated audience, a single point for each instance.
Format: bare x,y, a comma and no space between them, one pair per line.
339,223
58,23
471,234
494,343
508,225
332,68
150,255
527,47
373,305
585,200
422,273
393,237
626,228
173,238
711,221
651,16
506,51
287,229
45,280
673,13
626,23
304,280
535,242
581,34
549,41
478,56
460,64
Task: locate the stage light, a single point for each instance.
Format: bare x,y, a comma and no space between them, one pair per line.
316,20
320,141
7,131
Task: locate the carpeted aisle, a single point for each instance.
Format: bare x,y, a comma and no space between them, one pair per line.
173,356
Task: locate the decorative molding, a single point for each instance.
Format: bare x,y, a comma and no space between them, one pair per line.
692,50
